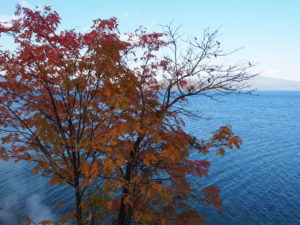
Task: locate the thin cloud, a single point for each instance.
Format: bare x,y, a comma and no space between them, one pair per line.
26,4
6,18
274,71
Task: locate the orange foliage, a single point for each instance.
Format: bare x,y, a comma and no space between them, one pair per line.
89,111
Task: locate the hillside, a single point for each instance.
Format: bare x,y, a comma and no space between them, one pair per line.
268,83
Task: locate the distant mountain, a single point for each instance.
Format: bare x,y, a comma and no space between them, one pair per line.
268,83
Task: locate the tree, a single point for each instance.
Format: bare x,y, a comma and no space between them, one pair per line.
101,112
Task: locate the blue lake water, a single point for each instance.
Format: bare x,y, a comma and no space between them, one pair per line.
260,183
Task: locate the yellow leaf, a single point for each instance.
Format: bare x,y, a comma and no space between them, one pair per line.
60,204
221,151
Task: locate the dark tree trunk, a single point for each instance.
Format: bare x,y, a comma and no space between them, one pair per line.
78,206
123,212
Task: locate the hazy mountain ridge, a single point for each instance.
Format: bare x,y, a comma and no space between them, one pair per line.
262,83
269,83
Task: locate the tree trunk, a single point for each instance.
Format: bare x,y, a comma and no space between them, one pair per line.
123,212
78,206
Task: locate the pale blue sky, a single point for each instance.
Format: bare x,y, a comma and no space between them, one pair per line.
268,30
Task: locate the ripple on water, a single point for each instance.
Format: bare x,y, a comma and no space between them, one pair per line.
260,183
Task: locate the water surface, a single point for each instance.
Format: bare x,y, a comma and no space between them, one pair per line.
260,182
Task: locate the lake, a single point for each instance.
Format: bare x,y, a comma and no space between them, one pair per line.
260,183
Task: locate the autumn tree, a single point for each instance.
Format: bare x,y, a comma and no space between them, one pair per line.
102,112
51,96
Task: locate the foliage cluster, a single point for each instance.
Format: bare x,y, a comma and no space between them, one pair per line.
102,112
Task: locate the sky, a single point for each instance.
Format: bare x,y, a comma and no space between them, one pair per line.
268,31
